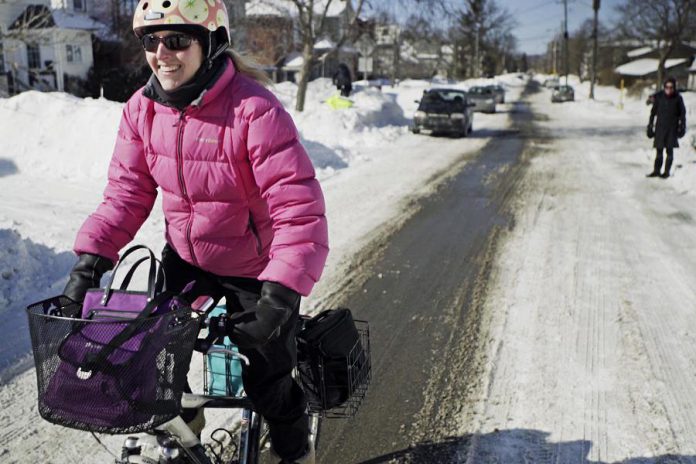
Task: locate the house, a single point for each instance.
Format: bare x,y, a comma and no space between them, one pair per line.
643,65
46,44
691,84
273,37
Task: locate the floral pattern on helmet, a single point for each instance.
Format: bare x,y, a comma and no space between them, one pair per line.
210,14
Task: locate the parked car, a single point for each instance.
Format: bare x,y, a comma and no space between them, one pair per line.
562,93
499,93
551,82
483,97
444,110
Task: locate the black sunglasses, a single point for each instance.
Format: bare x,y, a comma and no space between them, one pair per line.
174,42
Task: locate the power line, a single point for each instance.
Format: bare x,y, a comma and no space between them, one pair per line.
524,11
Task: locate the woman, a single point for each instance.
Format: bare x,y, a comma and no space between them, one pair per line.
669,108
244,213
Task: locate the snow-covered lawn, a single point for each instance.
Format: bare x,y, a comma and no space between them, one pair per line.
590,352
53,164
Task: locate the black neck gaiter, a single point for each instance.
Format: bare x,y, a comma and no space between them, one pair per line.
184,95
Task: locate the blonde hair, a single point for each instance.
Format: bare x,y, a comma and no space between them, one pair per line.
249,68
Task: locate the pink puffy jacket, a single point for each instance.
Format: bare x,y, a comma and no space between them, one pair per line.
240,196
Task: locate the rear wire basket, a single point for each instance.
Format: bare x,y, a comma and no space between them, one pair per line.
311,375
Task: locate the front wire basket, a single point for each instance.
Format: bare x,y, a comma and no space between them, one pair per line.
318,390
137,387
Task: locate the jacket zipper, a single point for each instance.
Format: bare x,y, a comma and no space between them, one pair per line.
255,233
182,185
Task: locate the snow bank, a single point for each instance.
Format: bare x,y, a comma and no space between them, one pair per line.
57,136
72,139
28,268
332,137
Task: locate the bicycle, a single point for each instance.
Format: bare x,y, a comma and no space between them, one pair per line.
174,442
53,329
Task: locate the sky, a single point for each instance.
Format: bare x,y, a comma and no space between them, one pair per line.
539,20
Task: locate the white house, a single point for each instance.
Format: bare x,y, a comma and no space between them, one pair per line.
46,42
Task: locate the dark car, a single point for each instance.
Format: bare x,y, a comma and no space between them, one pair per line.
562,93
499,93
444,110
483,97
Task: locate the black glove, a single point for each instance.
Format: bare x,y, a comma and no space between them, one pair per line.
681,131
86,274
651,131
252,329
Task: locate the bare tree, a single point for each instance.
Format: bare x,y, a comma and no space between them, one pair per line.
666,23
483,30
312,21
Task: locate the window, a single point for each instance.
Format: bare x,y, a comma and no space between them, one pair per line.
73,53
79,5
33,56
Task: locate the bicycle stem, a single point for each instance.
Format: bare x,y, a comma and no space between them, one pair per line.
178,428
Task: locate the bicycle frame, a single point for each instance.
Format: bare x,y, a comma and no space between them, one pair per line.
181,436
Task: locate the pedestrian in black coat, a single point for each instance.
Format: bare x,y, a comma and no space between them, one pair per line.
343,80
669,109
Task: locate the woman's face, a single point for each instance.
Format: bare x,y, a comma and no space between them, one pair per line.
669,88
173,67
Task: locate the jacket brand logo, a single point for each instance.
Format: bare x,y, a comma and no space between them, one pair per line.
211,141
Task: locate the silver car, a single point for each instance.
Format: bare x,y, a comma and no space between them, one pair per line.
499,93
562,93
483,98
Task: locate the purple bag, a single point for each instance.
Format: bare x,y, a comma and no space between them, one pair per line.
113,374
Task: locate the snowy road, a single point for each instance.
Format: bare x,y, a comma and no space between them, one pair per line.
570,339
422,295
590,355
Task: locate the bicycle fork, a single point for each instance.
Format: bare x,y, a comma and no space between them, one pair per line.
249,437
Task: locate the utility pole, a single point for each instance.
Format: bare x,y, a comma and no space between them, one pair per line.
476,52
565,42
595,7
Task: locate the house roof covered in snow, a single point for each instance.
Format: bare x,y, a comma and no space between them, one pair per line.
71,20
42,17
288,8
645,66
639,52
324,44
34,17
293,61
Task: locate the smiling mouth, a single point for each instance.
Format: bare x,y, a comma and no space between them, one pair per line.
168,69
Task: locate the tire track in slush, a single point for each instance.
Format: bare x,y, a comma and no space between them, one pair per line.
428,284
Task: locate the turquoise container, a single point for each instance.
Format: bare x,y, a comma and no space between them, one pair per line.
223,372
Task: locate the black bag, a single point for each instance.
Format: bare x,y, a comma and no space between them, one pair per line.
333,360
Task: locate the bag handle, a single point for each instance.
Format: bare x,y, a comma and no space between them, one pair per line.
161,276
92,362
150,278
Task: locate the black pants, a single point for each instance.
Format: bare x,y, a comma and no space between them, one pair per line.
658,160
267,380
